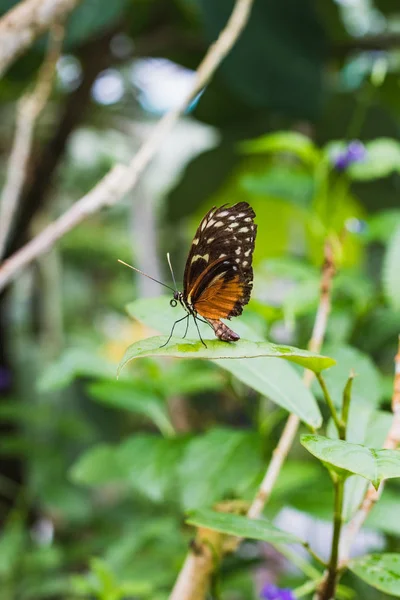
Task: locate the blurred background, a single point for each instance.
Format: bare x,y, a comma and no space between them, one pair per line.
301,121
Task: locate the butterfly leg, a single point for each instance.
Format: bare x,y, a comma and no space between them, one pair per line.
198,331
173,327
187,327
203,321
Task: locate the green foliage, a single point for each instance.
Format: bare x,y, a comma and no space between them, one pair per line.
135,398
391,277
285,142
230,462
292,81
346,458
383,159
217,350
103,584
382,571
367,384
276,381
160,469
98,475
242,527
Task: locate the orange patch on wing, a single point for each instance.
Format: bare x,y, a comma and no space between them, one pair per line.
218,300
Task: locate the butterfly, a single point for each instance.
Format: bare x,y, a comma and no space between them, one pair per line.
218,276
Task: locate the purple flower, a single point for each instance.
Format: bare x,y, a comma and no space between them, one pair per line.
354,152
5,379
271,592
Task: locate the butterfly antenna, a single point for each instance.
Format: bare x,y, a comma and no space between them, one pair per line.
172,271
145,274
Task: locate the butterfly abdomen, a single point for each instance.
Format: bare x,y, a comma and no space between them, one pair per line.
222,331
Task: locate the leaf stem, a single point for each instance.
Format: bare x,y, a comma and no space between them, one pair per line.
301,563
340,425
346,403
313,554
306,588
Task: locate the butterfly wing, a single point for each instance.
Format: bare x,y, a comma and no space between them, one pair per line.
218,275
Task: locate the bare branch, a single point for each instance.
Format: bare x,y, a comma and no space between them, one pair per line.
121,179
22,25
28,111
372,495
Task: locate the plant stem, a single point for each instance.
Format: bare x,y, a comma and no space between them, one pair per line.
315,556
296,559
327,592
340,425
306,588
346,403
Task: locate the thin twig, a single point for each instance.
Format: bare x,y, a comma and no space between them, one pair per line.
24,23
292,424
121,179
372,495
28,110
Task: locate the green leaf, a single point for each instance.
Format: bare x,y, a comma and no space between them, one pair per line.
278,381
367,385
97,466
383,225
381,571
391,271
253,529
217,350
368,427
284,141
13,544
374,465
220,463
130,396
294,185
150,464
74,363
274,378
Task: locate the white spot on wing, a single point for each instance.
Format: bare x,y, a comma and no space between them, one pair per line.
210,223
198,257
232,218
245,263
243,230
210,240
223,213
221,255
237,260
241,215
234,225
248,219
195,241
247,253
238,250
219,224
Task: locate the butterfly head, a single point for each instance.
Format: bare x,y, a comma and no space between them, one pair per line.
177,298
